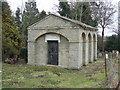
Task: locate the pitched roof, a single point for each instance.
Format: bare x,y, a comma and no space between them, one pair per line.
85,26
76,22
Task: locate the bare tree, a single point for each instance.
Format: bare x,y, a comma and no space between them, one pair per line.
103,12
118,31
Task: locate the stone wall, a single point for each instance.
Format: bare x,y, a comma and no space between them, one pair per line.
71,51
63,52
41,51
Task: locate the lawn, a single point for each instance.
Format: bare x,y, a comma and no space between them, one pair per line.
27,76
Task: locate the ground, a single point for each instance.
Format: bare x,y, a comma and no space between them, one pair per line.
27,76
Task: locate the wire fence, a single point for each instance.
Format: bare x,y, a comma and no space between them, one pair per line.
112,69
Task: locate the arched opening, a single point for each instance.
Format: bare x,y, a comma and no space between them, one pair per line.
50,33
94,46
89,47
51,48
83,48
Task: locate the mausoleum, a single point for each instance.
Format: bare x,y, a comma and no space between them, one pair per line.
60,41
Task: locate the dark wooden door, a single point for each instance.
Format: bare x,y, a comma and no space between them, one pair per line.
53,52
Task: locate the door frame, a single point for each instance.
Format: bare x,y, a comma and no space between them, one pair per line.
57,51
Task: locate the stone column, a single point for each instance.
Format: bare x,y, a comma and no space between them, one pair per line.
86,51
31,52
96,49
92,50
81,54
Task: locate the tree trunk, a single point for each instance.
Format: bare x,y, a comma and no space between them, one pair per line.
81,10
103,39
117,87
118,42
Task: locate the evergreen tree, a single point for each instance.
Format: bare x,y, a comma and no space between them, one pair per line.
18,23
18,18
30,15
111,43
87,15
82,12
42,14
11,34
64,9
79,11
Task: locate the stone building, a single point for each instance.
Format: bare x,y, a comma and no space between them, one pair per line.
57,40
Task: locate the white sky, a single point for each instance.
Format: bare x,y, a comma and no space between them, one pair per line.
49,6
46,5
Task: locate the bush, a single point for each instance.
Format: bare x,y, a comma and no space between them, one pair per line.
23,54
11,61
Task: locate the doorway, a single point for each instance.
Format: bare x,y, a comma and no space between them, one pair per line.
53,52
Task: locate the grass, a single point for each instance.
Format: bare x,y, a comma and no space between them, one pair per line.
26,76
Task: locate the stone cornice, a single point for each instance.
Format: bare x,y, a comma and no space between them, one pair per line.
58,28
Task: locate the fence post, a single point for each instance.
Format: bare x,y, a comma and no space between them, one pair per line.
117,53
118,85
106,58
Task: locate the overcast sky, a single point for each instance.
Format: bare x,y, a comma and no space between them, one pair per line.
49,6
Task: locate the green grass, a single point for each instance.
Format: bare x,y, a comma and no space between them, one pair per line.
26,76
